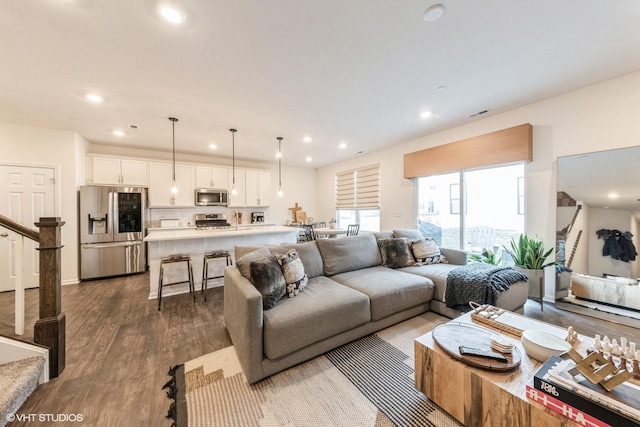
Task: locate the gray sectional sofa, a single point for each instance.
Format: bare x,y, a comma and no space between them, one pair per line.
349,294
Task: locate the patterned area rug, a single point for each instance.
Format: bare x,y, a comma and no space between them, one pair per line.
368,382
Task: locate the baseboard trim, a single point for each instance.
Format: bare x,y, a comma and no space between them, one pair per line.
598,313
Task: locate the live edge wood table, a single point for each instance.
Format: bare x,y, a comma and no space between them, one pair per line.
480,397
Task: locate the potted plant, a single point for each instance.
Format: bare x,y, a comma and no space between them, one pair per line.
487,256
529,255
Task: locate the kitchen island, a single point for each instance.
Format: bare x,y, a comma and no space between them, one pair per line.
195,243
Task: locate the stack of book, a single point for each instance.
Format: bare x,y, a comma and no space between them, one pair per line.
583,402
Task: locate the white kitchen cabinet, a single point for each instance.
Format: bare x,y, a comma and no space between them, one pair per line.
114,171
212,177
239,199
257,188
160,177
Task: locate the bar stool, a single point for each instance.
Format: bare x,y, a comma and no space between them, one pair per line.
205,269
171,260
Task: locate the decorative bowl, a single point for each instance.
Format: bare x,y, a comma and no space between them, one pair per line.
542,345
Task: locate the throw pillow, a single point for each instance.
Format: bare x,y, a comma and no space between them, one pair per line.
267,277
426,251
245,261
395,252
293,272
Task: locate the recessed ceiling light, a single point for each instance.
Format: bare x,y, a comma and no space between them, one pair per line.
433,13
613,195
118,132
342,145
308,159
307,139
213,146
94,98
171,14
425,114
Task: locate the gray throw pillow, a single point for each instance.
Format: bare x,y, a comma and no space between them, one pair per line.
395,252
244,262
293,272
266,276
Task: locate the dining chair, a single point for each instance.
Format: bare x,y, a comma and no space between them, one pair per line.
309,233
352,229
320,224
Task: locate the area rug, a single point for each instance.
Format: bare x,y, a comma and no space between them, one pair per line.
368,382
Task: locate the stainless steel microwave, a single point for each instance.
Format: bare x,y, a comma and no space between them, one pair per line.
211,197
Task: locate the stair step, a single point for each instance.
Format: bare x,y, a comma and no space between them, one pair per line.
18,380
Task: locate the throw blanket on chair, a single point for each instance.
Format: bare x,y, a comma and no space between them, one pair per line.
478,282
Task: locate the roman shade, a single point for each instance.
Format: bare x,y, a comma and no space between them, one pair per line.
504,146
358,188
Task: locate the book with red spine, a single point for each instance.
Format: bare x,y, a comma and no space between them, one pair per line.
563,408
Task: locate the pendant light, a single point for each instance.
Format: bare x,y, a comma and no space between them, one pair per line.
174,184
279,155
233,159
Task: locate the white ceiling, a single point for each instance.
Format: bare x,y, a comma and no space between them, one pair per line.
354,71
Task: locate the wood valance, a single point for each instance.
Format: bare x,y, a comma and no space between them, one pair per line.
504,146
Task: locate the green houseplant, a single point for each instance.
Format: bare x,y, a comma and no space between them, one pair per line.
487,256
529,255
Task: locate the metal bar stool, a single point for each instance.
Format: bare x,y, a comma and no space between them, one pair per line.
205,269
173,259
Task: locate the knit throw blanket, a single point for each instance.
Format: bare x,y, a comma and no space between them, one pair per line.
478,282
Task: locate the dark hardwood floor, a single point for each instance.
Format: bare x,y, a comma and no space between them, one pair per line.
119,347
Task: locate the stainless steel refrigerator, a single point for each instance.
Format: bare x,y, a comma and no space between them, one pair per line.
111,231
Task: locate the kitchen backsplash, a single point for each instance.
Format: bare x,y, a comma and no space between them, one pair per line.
186,215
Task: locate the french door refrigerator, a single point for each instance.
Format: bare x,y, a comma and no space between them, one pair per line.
111,231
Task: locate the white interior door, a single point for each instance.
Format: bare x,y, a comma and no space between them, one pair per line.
27,193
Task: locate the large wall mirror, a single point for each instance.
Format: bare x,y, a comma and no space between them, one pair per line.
598,216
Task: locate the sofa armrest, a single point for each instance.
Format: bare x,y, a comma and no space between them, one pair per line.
244,322
454,256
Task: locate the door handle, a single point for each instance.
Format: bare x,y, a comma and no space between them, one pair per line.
4,235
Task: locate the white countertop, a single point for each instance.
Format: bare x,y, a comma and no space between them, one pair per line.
164,235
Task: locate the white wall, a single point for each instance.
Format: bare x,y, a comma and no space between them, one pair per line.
32,145
598,117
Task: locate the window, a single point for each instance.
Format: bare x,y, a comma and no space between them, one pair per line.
358,198
493,203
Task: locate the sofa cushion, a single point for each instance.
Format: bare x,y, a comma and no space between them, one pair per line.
349,253
383,234
243,263
408,233
390,291
308,252
325,308
293,272
437,273
395,253
266,276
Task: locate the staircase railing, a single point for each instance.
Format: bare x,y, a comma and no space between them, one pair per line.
49,329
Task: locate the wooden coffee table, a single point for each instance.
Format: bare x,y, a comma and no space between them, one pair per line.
479,397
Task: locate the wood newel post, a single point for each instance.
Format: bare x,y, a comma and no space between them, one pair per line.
49,330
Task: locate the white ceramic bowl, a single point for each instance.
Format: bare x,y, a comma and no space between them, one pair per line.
542,345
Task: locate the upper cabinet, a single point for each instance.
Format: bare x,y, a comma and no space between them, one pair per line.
212,177
113,171
160,177
237,200
258,188
253,187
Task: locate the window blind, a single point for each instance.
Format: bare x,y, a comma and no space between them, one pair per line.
358,188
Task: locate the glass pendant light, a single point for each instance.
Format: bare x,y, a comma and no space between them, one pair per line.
174,184
233,159
279,155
